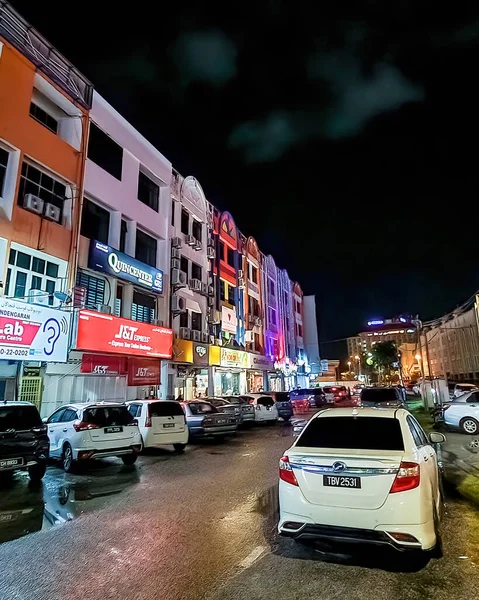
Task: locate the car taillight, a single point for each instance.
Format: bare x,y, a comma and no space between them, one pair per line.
82,426
286,471
407,478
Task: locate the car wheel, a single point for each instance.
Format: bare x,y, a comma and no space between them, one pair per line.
67,459
36,472
469,425
129,459
179,447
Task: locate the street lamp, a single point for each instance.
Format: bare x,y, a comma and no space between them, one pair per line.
359,365
349,366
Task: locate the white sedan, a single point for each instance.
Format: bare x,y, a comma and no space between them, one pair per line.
362,475
463,413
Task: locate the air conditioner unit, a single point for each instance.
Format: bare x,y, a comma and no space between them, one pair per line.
211,290
176,242
175,253
251,319
258,321
204,289
210,252
248,335
190,240
195,285
196,335
205,338
178,304
103,308
211,301
33,204
175,263
52,212
240,283
185,333
240,274
211,242
198,245
158,322
178,277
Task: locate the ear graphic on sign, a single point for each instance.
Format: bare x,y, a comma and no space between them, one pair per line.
52,328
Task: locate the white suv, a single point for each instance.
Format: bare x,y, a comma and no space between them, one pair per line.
362,475
265,410
86,431
161,422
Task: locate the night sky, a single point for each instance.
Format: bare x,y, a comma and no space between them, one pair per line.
342,136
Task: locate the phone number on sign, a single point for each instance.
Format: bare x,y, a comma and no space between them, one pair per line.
13,352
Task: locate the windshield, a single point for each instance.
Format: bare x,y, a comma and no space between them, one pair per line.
165,409
362,433
379,395
202,408
19,417
107,415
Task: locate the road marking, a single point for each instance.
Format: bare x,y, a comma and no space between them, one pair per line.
252,557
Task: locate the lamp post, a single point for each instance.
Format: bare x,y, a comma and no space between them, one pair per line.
359,364
349,367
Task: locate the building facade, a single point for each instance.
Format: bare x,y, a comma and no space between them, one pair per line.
44,106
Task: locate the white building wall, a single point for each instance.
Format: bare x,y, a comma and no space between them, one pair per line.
310,333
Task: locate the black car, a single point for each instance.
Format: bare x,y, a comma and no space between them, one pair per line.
24,443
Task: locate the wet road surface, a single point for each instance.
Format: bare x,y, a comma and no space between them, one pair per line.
201,525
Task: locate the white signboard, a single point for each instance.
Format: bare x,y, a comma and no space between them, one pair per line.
229,322
33,332
324,366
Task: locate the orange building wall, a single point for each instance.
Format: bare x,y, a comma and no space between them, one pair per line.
41,145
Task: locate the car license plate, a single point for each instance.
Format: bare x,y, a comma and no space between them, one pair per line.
341,481
168,424
113,429
7,463
221,421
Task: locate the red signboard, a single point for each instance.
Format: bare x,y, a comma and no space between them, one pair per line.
104,333
143,371
101,364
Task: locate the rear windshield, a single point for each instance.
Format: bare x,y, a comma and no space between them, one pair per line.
281,396
361,433
265,401
19,417
107,415
328,390
235,400
300,392
165,409
379,395
201,408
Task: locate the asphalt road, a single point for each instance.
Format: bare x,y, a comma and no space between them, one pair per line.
201,525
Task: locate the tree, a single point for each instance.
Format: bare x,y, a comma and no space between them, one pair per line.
384,355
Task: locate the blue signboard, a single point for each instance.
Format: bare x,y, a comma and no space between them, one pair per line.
113,262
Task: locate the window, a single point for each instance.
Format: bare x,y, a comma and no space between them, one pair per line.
55,418
185,266
95,222
300,330
196,271
271,287
123,233
43,117
196,230
94,286
148,191
3,168
105,152
358,433
165,409
419,431
222,251
474,397
201,408
184,319
33,181
105,416
272,316
196,321
145,248
118,300
414,433
68,415
222,290
20,417
26,272
230,259
231,294
185,221
254,274
265,401
143,308
173,212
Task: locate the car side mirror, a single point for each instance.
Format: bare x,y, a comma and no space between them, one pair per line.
45,420
437,438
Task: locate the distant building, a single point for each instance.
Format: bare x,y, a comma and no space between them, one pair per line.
399,330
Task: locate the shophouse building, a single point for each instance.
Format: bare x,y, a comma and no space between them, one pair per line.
44,105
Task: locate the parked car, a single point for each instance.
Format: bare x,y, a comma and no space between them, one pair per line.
265,410
462,388
463,413
365,476
357,389
226,407
335,392
316,397
160,422
24,441
283,404
247,410
205,420
92,430
382,397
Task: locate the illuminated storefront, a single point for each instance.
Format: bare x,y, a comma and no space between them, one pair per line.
190,361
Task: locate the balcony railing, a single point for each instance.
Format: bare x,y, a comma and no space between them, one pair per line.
43,55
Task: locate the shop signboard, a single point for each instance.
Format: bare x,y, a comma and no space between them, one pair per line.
106,259
143,371
103,364
262,363
200,354
229,321
104,333
33,332
234,358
